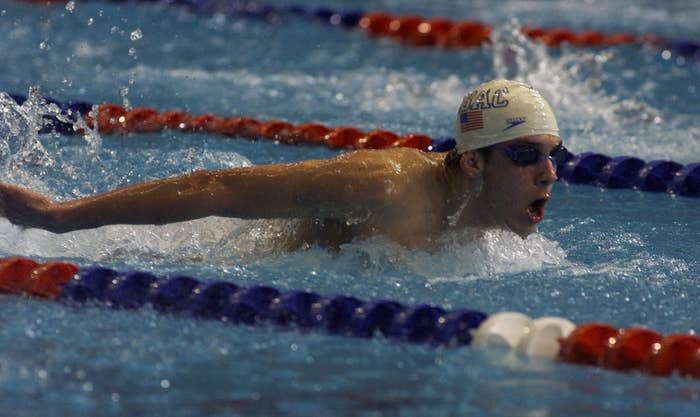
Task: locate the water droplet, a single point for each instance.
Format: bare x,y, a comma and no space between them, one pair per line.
90,21
70,6
136,35
165,384
124,93
132,51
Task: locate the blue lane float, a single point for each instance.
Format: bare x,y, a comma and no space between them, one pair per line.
260,305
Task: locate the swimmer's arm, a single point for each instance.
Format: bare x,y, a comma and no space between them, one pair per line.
336,188
348,187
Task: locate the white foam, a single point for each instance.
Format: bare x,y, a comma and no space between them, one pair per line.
189,242
458,256
480,255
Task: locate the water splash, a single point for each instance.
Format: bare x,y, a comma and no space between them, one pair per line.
22,156
185,242
571,80
566,80
476,255
457,257
514,56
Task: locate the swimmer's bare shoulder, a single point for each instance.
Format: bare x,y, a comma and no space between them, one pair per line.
403,189
398,193
412,176
362,183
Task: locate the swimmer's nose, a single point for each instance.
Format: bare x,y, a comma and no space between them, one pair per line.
547,171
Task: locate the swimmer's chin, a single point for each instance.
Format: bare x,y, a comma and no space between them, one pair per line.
523,232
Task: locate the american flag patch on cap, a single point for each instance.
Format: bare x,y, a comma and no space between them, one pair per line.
471,120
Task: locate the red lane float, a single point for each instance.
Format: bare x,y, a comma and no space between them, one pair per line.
629,349
113,119
445,33
418,31
644,350
25,276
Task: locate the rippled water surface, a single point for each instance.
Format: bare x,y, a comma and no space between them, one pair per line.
619,256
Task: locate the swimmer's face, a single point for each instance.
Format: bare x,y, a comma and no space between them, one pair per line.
516,195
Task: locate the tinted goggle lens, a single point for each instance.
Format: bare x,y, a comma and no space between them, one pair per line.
559,154
524,155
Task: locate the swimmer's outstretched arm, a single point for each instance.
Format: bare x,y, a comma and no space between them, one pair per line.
343,187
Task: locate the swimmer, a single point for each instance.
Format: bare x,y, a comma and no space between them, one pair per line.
500,175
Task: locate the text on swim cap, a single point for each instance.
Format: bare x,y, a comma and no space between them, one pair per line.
485,99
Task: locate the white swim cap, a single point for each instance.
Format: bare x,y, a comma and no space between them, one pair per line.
501,110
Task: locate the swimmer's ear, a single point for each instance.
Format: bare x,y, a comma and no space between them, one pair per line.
472,163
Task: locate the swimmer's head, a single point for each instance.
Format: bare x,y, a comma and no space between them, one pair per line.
499,111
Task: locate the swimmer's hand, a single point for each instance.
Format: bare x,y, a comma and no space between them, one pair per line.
24,207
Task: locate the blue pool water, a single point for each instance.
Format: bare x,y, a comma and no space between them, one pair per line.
618,256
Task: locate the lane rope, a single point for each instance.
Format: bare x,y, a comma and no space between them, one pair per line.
415,30
593,344
587,168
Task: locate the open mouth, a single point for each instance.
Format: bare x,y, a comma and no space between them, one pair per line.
535,211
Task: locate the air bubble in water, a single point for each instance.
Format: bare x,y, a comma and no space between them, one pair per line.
136,35
124,93
70,6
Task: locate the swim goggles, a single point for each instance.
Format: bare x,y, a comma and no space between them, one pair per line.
524,154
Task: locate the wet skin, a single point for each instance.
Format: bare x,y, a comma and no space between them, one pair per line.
510,190
405,194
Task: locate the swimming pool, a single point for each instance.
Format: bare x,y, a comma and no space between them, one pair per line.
618,256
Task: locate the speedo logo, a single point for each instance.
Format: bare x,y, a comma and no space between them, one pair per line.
514,121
